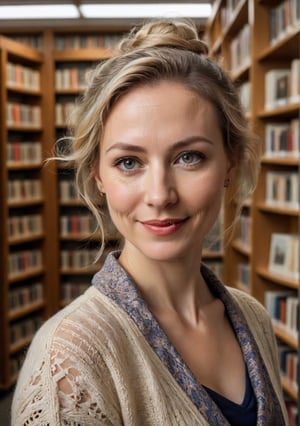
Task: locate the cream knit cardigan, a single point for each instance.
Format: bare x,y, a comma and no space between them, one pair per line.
80,370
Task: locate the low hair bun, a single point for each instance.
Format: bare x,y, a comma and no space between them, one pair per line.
181,34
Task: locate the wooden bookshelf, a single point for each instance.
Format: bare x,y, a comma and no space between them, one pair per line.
23,84
222,29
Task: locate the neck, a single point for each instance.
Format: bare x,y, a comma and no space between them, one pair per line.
175,287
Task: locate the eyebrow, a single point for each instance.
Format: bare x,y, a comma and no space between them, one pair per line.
180,144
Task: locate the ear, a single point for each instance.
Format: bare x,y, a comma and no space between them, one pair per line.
231,168
97,177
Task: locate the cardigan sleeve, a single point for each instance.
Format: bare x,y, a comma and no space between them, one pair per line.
64,381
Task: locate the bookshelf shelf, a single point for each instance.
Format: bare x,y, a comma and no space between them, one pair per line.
23,166
241,247
289,389
28,309
81,55
264,207
19,345
284,111
278,279
286,337
25,238
284,161
25,203
23,91
31,273
80,271
278,49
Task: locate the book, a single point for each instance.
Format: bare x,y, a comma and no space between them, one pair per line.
284,255
282,139
277,88
282,189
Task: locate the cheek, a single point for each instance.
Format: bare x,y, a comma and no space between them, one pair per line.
121,198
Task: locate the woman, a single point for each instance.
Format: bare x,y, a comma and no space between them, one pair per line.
157,339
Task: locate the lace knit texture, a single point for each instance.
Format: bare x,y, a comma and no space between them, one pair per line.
97,381
80,370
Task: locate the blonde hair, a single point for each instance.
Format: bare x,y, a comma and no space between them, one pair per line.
159,50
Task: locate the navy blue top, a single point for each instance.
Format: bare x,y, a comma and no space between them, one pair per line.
237,414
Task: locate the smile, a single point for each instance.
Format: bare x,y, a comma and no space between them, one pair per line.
163,227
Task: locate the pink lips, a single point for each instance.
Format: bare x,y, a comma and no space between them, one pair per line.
163,227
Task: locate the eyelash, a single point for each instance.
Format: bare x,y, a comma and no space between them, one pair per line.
119,163
200,157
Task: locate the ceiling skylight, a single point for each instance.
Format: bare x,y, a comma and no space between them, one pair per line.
49,11
150,10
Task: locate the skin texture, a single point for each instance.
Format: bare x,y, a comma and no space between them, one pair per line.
162,167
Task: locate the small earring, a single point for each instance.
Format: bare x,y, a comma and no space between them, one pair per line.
226,183
102,194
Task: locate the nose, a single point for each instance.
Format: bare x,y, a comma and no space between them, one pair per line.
160,189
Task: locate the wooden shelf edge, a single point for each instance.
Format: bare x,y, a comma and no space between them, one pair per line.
241,247
17,346
279,279
289,389
286,109
25,239
82,54
278,43
284,160
277,209
25,275
20,312
286,337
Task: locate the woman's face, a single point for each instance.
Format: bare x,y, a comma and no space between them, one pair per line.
162,167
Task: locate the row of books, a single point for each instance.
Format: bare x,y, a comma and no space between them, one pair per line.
77,258
244,229
76,224
24,329
23,115
71,78
284,255
70,290
24,189
282,86
283,139
244,275
227,12
63,111
240,48
282,189
34,40
24,225
284,18
23,261
283,309
83,41
23,77
67,190
24,296
24,152
288,361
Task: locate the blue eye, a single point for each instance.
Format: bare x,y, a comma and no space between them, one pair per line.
127,164
191,158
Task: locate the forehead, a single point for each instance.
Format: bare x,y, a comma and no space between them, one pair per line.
162,96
